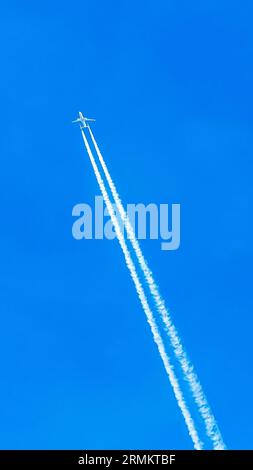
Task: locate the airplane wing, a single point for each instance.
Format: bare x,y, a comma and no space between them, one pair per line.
87,119
77,120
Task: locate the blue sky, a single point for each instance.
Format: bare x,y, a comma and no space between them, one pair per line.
170,84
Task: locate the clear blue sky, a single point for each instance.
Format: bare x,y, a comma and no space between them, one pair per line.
170,84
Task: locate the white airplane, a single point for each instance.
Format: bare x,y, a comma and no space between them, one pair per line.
82,120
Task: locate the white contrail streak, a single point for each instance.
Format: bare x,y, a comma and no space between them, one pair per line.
142,297
211,426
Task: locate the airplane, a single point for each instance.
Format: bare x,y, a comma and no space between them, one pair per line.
83,120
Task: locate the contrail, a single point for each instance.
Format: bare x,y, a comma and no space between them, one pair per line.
142,297
211,426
